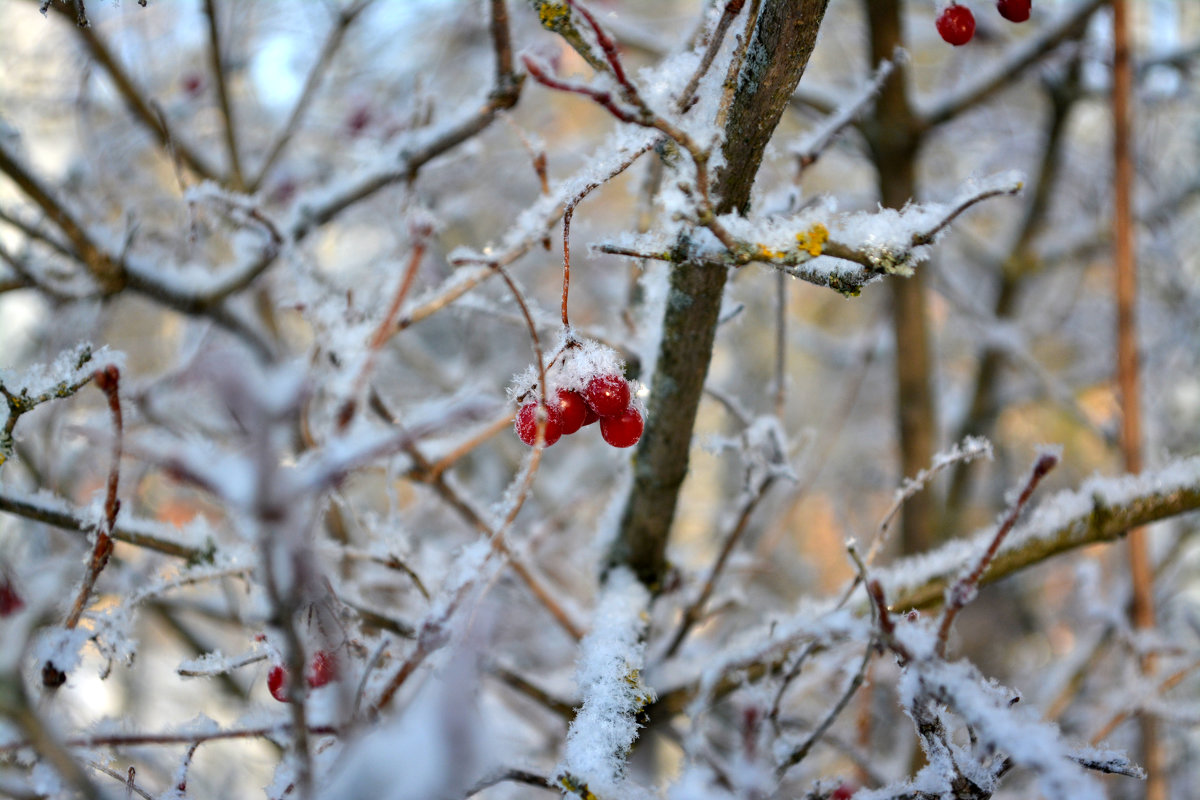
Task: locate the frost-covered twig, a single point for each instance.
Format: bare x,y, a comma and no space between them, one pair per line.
972,447
210,733
737,60
569,212
1101,510
421,231
768,439
810,149
108,381
1161,688
131,787
728,15
876,258
108,273
138,532
140,106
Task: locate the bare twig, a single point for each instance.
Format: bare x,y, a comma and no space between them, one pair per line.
802,750
217,66
139,104
695,610
515,776
320,68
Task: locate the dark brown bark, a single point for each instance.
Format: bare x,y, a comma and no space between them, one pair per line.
783,41
893,136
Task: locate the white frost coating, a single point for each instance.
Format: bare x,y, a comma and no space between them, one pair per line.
65,370
812,144
608,673
1000,724
1049,517
570,364
969,449
61,647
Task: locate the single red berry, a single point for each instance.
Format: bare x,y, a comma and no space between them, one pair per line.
277,683
193,84
10,600
591,417
527,424
358,120
323,669
608,395
956,24
844,791
1014,10
624,429
574,411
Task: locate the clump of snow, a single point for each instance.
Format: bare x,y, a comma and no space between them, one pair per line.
609,677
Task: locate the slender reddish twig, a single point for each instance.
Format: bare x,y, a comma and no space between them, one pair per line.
108,381
600,96
961,592
609,47
387,326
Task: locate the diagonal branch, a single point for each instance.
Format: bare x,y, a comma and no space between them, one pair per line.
312,83
217,67
138,102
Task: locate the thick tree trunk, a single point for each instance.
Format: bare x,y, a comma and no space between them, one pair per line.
783,41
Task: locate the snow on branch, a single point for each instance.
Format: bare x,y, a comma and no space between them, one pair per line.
809,149
610,683
883,242
1101,510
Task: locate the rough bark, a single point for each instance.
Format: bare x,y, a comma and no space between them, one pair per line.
782,43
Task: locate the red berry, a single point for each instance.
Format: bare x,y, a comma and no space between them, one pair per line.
591,417
608,395
323,669
844,791
193,84
358,120
624,429
1014,10
956,24
277,683
527,424
10,601
574,411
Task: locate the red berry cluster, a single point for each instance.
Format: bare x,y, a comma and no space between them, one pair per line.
956,24
321,670
605,398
